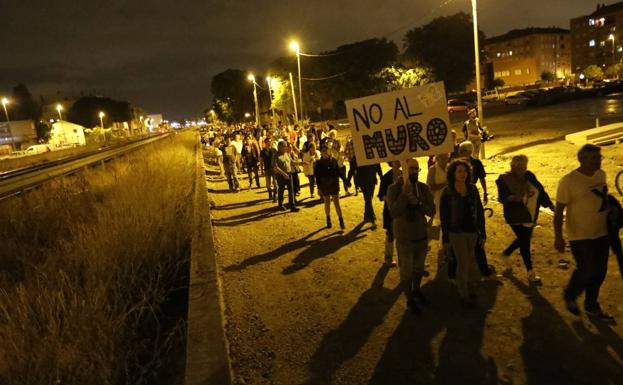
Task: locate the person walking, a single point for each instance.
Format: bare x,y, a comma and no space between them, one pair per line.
328,179
521,194
284,171
410,202
268,156
389,178
472,131
251,157
309,160
229,163
582,200
463,226
366,179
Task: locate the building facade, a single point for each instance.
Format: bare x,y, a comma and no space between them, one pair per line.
596,38
520,56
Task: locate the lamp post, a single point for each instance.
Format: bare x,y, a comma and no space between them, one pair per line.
101,115
294,46
293,97
611,38
477,60
59,108
5,102
269,80
251,78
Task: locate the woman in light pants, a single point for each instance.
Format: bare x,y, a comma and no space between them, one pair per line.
463,226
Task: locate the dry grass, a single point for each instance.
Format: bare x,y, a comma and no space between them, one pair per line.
86,266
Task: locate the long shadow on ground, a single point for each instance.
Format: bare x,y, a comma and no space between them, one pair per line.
278,252
241,219
343,343
409,356
553,354
323,247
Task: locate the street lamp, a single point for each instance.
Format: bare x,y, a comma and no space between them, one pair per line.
59,108
251,78
477,60
294,46
269,80
5,102
611,37
101,115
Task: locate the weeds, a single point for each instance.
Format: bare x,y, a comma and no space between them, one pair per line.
89,267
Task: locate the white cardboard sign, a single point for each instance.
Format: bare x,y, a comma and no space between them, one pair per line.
400,124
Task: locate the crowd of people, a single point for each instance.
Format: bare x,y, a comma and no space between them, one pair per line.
449,200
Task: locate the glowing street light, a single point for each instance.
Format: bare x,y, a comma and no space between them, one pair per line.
251,78
59,108
294,46
611,37
6,102
269,80
101,115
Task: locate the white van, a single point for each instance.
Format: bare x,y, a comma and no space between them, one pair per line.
37,149
491,95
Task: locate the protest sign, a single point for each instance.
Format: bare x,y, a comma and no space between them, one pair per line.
400,124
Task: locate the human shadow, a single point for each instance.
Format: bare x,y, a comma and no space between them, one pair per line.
508,150
343,343
553,354
276,253
322,247
409,356
237,205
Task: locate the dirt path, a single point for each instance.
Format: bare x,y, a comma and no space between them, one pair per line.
309,305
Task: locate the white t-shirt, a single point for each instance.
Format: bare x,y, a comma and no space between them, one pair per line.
583,219
238,145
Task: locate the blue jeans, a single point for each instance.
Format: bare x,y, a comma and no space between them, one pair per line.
591,260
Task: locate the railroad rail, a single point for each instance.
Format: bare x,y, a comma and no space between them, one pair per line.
19,180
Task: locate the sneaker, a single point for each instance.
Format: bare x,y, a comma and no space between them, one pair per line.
390,263
572,306
533,278
598,313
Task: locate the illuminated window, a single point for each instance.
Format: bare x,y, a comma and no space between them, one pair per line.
498,54
602,43
510,53
591,43
518,72
527,71
591,22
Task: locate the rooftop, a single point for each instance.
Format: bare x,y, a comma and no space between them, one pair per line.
517,33
603,9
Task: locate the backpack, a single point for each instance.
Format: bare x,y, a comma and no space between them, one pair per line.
615,213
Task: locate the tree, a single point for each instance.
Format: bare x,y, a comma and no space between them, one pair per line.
446,46
85,111
497,83
23,105
43,130
614,71
593,72
397,78
233,94
548,76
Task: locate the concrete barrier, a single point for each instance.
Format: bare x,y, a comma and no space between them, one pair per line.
608,134
207,350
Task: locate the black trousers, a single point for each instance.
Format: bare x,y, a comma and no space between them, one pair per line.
253,169
368,211
523,243
284,185
591,260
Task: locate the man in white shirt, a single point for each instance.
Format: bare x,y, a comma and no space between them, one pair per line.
583,194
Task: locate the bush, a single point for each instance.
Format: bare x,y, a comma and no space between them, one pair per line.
87,267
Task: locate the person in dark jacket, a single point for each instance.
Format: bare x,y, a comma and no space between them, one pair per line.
389,178
522,194
463,226
327,175
366,178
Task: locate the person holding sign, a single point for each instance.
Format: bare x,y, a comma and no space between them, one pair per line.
328,180
410,202
463,225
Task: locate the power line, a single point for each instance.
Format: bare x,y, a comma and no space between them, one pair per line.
327,77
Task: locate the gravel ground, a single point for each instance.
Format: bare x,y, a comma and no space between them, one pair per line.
309,305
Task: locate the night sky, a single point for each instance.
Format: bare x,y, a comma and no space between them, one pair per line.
161,55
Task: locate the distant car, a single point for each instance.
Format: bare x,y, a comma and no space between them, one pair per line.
37,149
455,105
516,99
